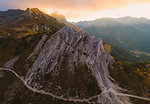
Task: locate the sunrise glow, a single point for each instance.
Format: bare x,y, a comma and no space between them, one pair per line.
77,10
136,10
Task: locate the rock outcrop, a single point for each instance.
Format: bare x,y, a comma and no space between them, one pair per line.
65,57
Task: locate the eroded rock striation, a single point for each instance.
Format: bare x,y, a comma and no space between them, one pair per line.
64,68
74,64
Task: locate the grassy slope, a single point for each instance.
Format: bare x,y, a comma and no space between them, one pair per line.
120,54
135,77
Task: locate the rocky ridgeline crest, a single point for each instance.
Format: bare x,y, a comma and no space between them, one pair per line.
33,12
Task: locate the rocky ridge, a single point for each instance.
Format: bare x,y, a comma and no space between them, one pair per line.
73,65
76,48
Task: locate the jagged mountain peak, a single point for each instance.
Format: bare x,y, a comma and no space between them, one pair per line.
35,12
32,9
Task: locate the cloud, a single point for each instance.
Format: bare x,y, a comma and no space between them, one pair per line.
72,9
75,5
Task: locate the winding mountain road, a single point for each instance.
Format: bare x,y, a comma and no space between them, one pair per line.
87,100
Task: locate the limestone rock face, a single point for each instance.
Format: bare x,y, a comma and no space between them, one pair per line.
74,64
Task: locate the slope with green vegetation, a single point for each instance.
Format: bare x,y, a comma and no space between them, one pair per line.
126,33
120,54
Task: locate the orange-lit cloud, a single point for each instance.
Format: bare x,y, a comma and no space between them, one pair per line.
135,10
71,8
82,5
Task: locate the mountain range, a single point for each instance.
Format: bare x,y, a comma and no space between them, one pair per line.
128,33
45,59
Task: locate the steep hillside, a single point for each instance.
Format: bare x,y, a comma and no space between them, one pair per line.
31,21
142,24
6,16
120,54
134,77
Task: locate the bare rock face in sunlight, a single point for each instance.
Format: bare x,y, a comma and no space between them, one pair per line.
67,55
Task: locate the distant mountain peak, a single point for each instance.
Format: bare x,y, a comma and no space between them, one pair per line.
36,10
58,16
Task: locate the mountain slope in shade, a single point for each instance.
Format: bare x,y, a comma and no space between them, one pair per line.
126,33
6,16
26,22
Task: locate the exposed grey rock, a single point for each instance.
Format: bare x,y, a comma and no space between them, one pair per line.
38,47
35,28
80,48
11,62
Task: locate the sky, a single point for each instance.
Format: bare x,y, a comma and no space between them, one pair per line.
80,10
